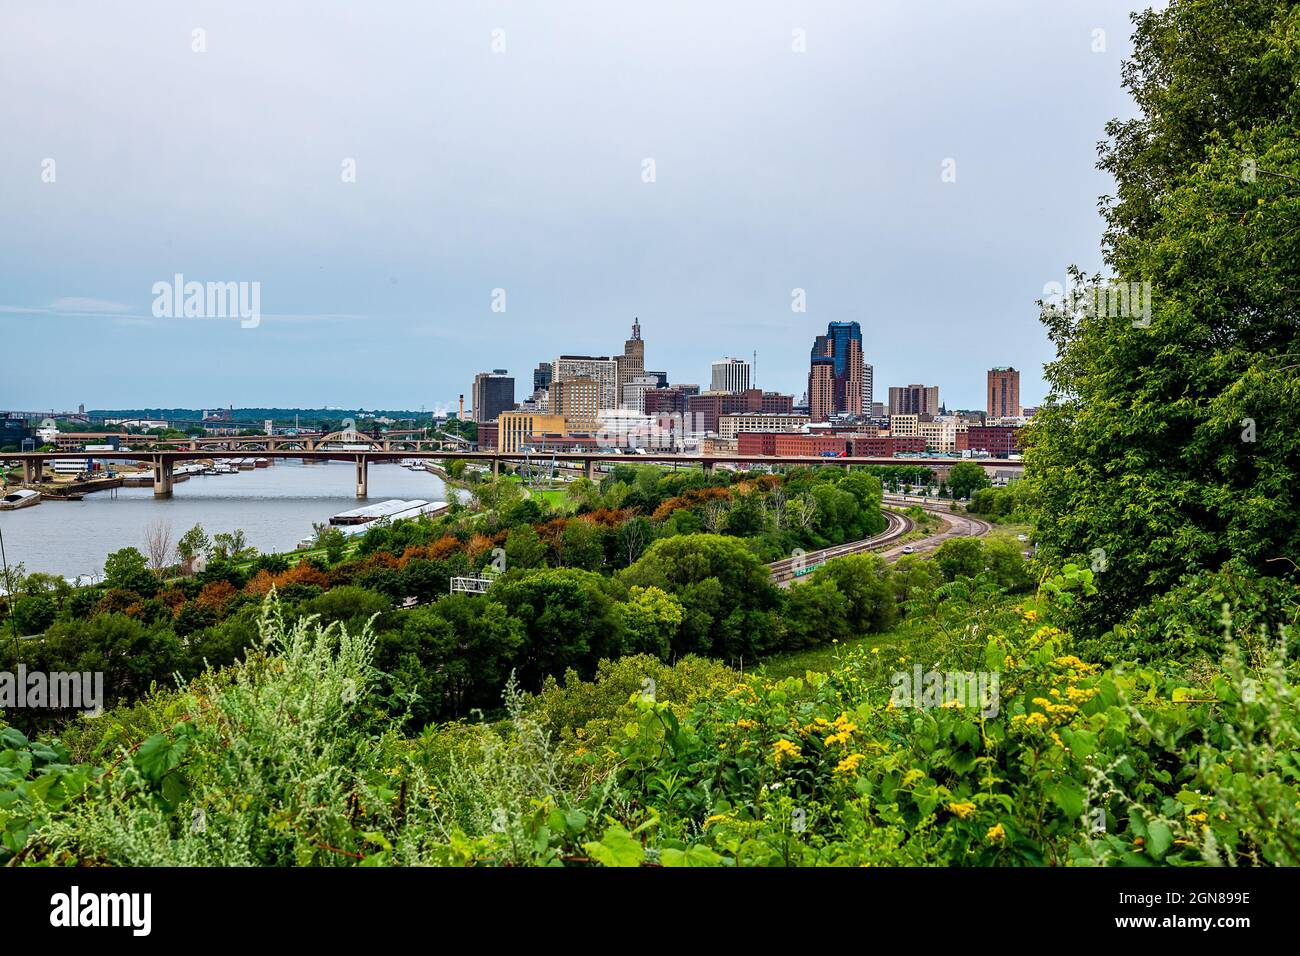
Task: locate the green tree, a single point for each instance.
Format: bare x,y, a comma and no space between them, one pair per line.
568,620
231,546
128,570
651,618
966,477
815,613
33,613
583,492
960,558
582,545
192,544
1168,443
1004,559
864,581
726,593
524,549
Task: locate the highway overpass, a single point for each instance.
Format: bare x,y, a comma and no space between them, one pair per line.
163,461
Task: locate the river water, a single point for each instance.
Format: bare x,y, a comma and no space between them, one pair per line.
275,507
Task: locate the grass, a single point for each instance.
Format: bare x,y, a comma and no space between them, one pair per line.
918,638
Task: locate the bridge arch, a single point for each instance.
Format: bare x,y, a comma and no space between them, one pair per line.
351,438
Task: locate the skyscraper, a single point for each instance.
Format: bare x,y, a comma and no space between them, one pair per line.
839,380
730,375
631,364
602,369
914,400
821,388
577,398
493,393
541,377
1004,393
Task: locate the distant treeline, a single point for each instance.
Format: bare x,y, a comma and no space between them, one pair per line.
257,414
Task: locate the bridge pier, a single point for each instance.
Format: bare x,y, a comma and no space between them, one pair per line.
707,467
496,467
31,471
162,478
363,477
591,469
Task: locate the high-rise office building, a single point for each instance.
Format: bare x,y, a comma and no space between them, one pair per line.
600,369
914,400
1004,393
821,389
541,377
493,393
634,392
631,364
578,400
730,375
839,380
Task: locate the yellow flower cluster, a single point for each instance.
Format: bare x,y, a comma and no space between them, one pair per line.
843,729
963,810
1031,615
996,834
1034,721
850,763
745,724
1052,708
1070,662
784,749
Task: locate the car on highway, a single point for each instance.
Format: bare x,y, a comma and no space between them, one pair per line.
908,549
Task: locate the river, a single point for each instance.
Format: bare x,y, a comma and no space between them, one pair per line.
275,507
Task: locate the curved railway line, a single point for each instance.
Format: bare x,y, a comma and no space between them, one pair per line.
955,526
787,569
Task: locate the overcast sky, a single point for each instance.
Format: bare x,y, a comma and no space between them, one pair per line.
524,169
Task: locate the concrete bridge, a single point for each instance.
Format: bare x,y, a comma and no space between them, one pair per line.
164,461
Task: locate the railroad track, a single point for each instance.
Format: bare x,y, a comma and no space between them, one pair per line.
956,526
787,569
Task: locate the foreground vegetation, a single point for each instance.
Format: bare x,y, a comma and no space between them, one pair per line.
630,689
294,757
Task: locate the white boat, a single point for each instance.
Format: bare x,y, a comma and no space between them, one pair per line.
23,498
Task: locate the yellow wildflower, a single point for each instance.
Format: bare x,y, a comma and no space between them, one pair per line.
996,834
963,810
783,749
850,763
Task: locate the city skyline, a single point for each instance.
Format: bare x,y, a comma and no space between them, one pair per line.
378,235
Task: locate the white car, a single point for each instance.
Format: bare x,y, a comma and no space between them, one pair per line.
908,549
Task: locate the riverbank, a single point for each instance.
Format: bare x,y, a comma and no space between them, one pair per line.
275,507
